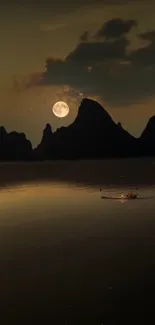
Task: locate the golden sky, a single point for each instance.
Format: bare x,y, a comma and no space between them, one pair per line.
32,32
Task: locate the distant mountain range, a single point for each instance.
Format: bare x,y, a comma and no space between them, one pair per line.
92,135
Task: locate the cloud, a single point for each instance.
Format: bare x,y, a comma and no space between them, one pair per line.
124,2
68,3
92,53
149,36
145,56
115,28
106,69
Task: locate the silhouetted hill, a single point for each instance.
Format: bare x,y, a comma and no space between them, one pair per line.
149,132
14,146
147,138
44,151
93,134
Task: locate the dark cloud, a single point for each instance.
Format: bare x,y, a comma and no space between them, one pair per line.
106,69
90,53
61,6
67,3
125,2
148,36
115,28
145,56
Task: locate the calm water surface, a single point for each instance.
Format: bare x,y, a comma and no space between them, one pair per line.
69,257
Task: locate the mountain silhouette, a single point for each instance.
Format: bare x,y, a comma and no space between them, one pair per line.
93,134
14,146
147,138
44,151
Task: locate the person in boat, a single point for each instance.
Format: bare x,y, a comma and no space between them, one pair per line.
131,195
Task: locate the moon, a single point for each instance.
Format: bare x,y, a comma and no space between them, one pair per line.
60,109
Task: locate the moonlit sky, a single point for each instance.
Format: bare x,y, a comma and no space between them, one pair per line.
102,49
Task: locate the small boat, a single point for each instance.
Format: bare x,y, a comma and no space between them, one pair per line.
128,196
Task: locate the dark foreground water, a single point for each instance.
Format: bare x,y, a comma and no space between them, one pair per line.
69,257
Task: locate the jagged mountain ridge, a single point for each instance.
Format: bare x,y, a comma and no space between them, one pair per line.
93,134
14,146
147,138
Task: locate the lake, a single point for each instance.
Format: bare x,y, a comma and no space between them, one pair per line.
69,257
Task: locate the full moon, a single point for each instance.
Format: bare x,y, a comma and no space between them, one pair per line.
60,109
